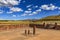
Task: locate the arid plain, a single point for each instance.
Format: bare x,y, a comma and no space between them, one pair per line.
41,34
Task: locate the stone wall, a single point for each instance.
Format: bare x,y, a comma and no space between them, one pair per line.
12,26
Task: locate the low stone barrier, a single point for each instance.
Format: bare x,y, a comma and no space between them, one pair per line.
13,26
45,26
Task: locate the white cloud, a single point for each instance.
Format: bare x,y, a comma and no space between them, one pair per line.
14,15
29,6
59,8
48,7
31,14
35,6
9,2
1,11
39,10
27,11
35,12
16,9
24,14
10,12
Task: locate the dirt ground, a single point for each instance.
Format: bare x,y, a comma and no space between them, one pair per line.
41,34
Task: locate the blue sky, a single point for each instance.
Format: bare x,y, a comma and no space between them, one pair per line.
28,9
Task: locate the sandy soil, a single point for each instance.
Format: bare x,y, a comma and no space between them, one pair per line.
41,34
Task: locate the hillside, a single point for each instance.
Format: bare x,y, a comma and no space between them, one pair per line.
51,18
